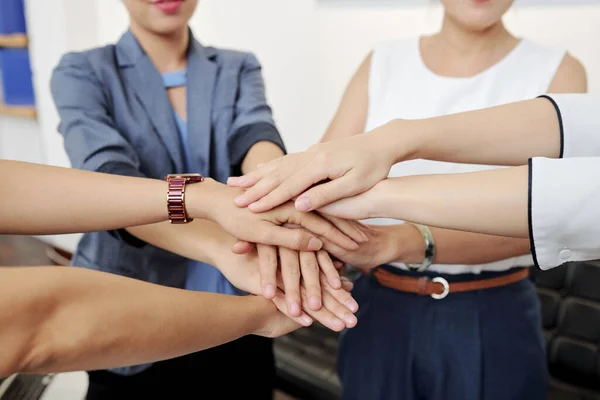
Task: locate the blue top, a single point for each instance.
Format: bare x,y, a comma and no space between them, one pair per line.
200,276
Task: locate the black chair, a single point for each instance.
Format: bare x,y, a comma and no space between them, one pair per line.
570,301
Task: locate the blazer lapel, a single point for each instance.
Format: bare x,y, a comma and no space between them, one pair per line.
139,72
202,74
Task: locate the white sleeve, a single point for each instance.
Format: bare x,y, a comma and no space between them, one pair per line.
579,119
564,210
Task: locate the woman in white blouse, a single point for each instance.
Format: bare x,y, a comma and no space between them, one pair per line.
472,63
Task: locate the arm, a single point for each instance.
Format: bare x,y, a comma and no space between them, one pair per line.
452,247
93,143
206,242
48,326
254,138
503,135
403,243
351,116
553,202
570,77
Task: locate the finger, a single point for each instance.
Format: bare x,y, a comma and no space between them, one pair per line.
325,317
318,225
267,257
290,274
319,196
279,301
290,187
347,284
309,266
340,295
348,227
293,239
339,309
242,247
260,189
249,179
326,265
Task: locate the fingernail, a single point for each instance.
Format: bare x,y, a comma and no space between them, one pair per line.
294,308
232,180
305,320
314,244
315,303
350,319
261,165
303,204
269,291
352,305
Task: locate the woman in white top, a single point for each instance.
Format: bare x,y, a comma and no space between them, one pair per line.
464,346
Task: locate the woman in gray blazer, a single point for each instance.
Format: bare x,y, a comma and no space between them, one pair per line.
156,103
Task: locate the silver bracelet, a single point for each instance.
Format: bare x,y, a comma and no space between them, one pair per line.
429,249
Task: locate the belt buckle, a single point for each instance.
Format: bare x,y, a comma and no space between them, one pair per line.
445,285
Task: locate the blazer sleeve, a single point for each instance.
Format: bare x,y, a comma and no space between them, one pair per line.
91,139
253,121
564,216
579,119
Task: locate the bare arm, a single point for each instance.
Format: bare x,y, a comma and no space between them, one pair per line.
48,326
40,199
351,116
453,247
490,202
570,77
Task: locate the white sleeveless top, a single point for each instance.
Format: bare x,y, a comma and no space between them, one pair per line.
401,86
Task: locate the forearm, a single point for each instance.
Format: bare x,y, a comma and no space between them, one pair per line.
456,247
504,135
260,153
50,200
491,202
48,326
200,240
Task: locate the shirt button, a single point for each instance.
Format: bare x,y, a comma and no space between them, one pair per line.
565,254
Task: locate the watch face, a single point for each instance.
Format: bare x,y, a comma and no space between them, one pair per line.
188,177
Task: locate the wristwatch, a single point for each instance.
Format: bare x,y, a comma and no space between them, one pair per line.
176,196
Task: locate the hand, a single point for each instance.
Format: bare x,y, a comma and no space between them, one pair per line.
305,265
347,166
386,244
369,204
274,323
266,228
243,272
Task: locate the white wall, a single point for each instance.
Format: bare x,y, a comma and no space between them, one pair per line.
308,51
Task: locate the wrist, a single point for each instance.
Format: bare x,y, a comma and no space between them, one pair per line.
201,198
409,246
405,139
261,313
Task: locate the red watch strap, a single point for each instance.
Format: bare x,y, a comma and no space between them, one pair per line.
176,201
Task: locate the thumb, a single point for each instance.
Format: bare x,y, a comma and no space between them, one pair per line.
241,247
326,193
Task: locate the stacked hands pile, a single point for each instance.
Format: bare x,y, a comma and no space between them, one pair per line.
301,246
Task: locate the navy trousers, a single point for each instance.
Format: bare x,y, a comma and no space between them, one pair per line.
480,345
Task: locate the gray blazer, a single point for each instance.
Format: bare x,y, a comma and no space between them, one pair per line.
116,118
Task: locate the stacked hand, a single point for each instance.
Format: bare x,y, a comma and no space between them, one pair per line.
338,307
294,272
